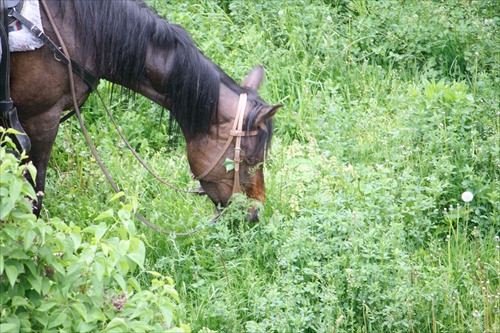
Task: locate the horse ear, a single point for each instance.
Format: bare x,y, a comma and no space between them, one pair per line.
254,79
267,113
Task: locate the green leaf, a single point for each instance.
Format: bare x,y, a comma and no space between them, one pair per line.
32,170
29,237
35,282
97,230
154,273
24,216
27,190
58,267
45,285
9,328
7,206
19,301
182,329
32,267
96,314
139,255
229,164
168,315
60,318
106,248
106,214
46,306
19,254
86,327
76,237
134,284
12,274
115,325
80,309
117,196
123,246
99,269
102,228
42,318
13,131
15,188
121,281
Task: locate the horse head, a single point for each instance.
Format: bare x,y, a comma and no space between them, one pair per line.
230,158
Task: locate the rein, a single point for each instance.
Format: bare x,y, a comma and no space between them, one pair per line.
136,155
87,138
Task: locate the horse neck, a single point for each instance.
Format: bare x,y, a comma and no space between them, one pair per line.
158,66
188,84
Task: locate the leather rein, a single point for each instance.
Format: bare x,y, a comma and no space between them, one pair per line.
236,131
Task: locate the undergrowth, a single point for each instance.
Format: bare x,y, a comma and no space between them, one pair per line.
59,276
391,115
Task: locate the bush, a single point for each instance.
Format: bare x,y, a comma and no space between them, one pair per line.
58,276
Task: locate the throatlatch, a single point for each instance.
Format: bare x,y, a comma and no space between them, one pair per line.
8,112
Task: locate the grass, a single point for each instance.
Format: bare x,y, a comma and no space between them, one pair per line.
392,112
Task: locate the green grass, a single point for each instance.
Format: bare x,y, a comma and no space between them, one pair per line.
391,113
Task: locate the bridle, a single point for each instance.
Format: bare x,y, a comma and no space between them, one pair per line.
235,133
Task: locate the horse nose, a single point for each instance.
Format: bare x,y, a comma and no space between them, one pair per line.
253,215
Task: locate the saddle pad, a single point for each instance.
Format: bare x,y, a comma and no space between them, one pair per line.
20,38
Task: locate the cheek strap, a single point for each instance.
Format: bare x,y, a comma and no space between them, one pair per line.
236,132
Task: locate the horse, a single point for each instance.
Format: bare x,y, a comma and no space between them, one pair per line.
129,44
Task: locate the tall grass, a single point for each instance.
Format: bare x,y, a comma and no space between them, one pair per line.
392,112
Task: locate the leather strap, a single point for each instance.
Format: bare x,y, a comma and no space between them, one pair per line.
6,103
240,114
13,5
236,132
81,71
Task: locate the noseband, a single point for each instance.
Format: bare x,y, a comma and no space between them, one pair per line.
235,133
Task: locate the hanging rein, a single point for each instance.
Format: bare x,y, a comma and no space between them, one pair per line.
88,77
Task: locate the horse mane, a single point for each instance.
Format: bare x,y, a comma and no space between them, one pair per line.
115,35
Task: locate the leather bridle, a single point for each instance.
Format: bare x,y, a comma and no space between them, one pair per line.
235,133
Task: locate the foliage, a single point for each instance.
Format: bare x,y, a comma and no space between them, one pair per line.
392,112
13,188
59,276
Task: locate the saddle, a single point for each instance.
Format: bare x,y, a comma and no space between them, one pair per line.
8,112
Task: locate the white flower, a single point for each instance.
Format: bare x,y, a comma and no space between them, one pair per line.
467,196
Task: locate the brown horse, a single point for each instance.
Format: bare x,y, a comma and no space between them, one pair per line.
126,43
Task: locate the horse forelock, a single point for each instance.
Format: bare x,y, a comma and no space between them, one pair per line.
116,34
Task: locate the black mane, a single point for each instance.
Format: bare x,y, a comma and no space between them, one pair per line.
116,35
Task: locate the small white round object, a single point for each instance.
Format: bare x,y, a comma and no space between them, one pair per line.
467,196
